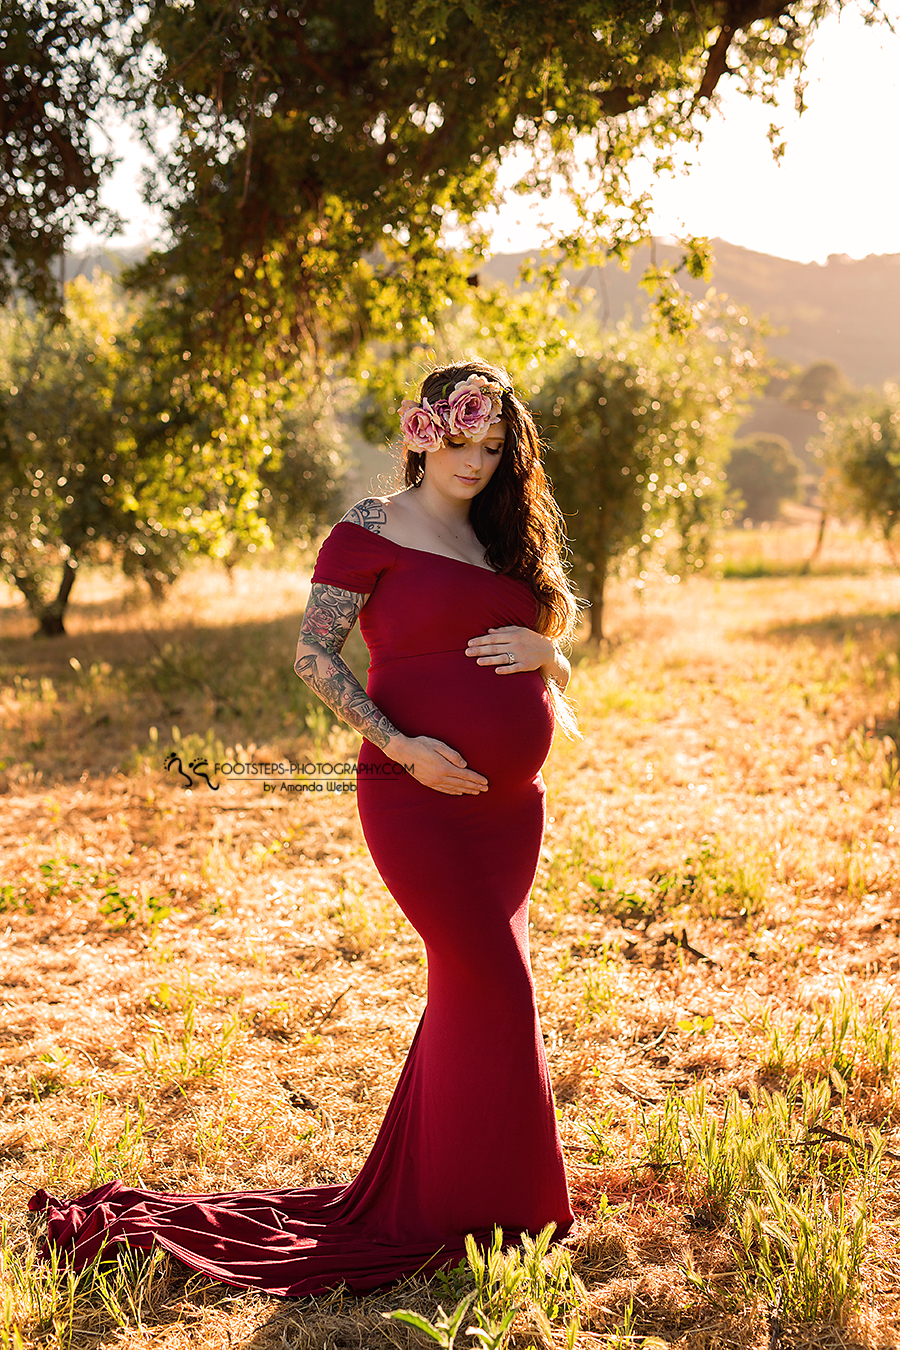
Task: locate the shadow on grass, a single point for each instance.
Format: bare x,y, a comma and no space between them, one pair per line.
343,1319
875,627
87,701
755,569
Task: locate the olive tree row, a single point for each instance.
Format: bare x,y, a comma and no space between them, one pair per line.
116,447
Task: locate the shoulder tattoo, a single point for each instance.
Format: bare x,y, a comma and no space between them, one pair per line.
369,513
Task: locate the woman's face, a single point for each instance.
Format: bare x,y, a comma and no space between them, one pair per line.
462,468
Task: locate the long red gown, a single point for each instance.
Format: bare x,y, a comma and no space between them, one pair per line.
469,1140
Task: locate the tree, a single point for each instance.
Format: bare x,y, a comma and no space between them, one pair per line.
249,457
118,447
300,484
61,439
53,83
824,389
637,429
764,472
517,330
863,451
323,147
602,463
821,387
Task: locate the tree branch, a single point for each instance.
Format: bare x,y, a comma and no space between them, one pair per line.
739,15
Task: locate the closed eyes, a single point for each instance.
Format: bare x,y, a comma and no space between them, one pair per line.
458,445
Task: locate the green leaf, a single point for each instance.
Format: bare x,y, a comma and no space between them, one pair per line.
414,1319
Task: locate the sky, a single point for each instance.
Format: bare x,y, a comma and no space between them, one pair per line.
836,189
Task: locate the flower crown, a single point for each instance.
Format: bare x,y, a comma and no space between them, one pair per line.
470,407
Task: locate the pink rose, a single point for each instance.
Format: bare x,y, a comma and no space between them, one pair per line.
421,429
474,406
317,623
440,410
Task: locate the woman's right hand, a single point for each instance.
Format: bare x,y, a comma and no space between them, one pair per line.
437,766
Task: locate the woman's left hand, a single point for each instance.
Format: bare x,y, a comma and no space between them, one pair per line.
529,650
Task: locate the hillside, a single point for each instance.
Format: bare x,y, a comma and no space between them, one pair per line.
112,259
846,310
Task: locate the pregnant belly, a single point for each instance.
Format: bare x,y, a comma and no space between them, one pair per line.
502,725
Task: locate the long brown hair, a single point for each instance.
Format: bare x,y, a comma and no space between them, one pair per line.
515,516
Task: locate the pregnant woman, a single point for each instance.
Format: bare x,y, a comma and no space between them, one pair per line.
460,592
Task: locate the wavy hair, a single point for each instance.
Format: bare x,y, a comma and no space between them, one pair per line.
515,516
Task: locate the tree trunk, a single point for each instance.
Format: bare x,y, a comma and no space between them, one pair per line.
51,617
31,591
598,586
823,520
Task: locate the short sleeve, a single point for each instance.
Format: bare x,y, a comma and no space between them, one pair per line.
353,558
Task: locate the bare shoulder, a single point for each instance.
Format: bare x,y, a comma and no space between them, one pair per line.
371,513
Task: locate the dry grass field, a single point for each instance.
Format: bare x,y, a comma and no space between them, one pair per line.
208,990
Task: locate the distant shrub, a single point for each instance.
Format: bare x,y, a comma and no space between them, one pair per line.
763,472
863,450
822,385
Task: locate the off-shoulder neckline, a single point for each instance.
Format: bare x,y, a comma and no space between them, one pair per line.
429,553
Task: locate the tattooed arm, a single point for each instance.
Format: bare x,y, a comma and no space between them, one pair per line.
330,615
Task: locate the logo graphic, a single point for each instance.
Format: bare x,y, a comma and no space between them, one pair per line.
197,766
283,775
171,761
